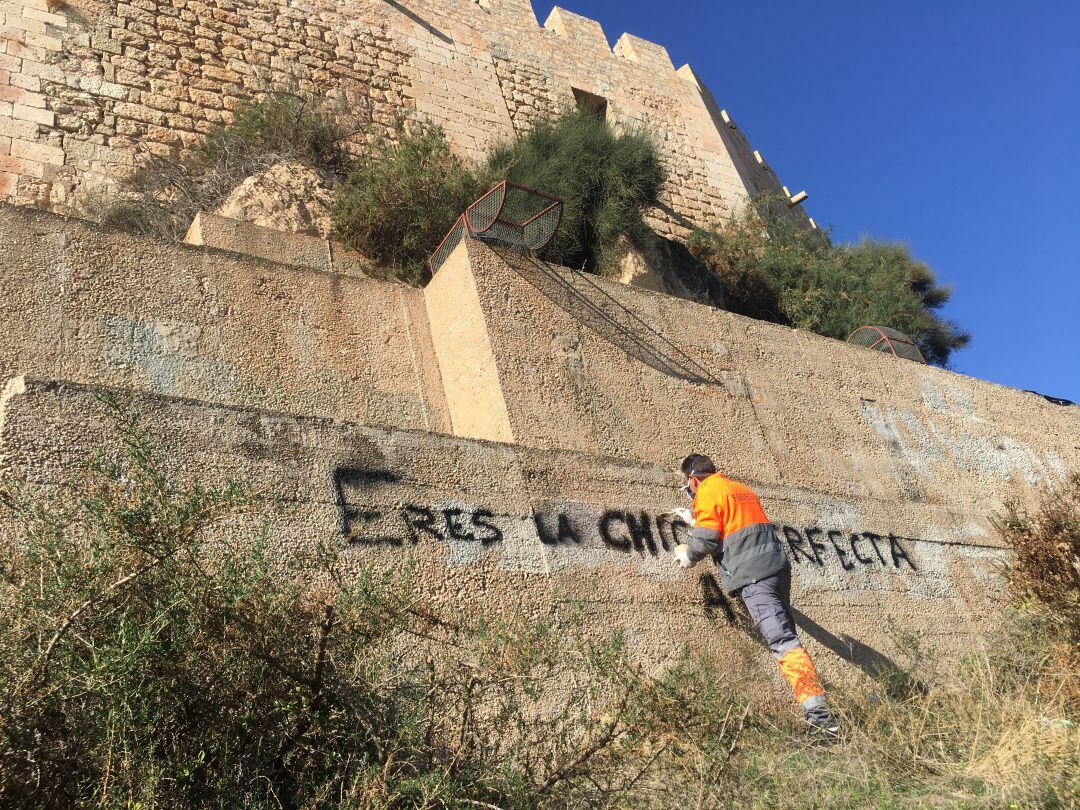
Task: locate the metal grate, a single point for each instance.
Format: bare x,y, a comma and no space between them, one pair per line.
508,214
890,341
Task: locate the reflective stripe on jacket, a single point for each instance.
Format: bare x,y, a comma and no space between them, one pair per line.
730,525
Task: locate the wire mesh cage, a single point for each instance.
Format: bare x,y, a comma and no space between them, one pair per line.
890,341
508,214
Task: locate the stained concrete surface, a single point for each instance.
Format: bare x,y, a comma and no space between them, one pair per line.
83,303
491,527
338,393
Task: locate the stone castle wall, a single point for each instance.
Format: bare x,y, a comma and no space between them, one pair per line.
88,86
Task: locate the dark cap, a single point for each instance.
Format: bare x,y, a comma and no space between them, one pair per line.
697,465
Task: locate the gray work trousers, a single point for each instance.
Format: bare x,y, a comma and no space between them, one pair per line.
768,601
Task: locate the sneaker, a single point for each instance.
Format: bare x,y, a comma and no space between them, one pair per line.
824,722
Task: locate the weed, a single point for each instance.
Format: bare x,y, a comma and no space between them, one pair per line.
607,180
167,191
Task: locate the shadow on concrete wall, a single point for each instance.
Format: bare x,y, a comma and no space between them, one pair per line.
590,304
897,680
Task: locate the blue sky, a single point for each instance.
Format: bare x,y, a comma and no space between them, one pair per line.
951,125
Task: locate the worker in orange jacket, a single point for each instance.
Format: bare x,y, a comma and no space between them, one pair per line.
730,526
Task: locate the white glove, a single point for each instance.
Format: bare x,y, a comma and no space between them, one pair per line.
682,555
685,515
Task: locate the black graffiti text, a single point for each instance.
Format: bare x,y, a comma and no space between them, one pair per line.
815,546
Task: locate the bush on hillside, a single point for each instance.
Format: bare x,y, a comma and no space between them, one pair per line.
606,181
1045,543
167,191
774,269
398,201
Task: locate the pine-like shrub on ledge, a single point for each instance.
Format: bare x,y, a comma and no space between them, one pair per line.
774,269
606,179
400,198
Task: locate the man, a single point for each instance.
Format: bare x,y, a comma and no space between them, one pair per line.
730,526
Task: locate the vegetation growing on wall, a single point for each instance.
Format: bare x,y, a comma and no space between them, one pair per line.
1045,570
607,181
775,270
167,191
146,661
398,201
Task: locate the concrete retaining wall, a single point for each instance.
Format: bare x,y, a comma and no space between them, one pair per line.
600,367
97,306
491,527
337,392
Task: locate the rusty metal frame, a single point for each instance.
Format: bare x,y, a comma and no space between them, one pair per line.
888,341
465,220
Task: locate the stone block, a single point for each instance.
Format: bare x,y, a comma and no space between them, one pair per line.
11,128
106,44
46,17
212,230
26,168
16,95
647,54
21,112
43,71
16,24
45,42
39,152
587,35
24,82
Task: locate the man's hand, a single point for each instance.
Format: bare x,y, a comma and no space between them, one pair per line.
682,555
685,515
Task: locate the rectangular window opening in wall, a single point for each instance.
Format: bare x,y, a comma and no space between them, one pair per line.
591,103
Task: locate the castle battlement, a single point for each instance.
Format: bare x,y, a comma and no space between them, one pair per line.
84,96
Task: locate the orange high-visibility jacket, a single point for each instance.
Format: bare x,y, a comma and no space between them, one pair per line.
731,527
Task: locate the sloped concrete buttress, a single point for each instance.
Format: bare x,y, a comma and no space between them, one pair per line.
459,333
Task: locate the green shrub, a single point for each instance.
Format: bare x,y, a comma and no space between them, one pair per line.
774,269
145,217
399,200
606,181
167,191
